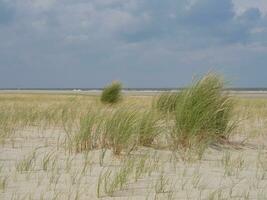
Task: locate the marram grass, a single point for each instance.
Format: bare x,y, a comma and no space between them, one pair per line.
120,130
85,139
148,128
203,111
166,102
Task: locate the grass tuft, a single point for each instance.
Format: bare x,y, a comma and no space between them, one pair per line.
86,138
203,112
148,129
166,102
120,130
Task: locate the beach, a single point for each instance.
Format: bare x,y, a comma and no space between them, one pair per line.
36,161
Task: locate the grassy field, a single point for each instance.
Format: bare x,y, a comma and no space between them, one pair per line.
71,146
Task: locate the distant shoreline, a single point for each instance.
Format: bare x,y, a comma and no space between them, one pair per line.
246,93
125,89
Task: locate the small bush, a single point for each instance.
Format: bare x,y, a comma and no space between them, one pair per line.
112,93
203,112
166,102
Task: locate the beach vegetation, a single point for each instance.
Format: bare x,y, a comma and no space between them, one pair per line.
112,93
166,101
203,112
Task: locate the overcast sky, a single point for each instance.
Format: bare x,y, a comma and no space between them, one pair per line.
143,43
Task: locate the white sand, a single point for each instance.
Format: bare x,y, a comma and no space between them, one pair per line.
242,175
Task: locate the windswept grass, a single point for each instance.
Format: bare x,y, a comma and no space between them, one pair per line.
148,128
203,112
111,93
120,130
86,138
200,113
166,102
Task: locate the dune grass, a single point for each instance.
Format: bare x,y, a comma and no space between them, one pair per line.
120,130
86,137
203,112
166,101
148,127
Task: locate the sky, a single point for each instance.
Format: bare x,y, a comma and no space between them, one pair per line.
142,43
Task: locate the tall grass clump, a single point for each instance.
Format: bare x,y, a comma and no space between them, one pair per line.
203,112
111,93
88,134
166,102
120,130
148,128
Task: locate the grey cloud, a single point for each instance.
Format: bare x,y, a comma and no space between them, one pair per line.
209,13
144,43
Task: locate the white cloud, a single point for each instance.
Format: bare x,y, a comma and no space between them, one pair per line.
242,5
